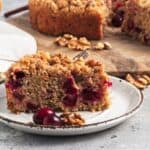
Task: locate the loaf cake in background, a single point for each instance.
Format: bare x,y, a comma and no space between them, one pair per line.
58,82
78,17
137,20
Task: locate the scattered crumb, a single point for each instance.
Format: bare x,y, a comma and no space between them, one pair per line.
98,46
113,136
101,146
107,45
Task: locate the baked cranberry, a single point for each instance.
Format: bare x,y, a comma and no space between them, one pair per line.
19,74
39,116
13,84
130,25
70,100
18,95
52,120
119,5
117,20
137,29
48,94
88,94
69,86
108,83
147,39
31,107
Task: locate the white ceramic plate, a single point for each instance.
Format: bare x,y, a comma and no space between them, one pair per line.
14,43
126,101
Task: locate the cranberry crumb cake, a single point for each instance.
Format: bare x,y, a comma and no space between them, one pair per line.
78,17
56,81
137,20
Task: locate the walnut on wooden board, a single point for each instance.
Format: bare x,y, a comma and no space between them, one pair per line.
140,81
81,43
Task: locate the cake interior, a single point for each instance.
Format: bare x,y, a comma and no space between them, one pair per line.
57,82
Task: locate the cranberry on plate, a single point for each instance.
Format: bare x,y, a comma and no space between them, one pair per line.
39,116
46,116
53,120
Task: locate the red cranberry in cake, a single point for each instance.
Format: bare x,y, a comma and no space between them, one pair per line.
147,39
13,84
70,87
37,82
90,94
108,83
18,95
70,100
130,25
19,74
31,107
118,5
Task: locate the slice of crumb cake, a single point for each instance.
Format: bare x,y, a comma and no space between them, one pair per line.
137,20
56,81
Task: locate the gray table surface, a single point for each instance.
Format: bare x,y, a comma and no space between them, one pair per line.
134,134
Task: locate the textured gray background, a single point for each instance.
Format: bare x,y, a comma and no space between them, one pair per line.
133,134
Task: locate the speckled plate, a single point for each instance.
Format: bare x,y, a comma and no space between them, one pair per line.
126,101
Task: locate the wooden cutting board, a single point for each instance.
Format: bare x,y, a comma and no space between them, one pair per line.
126,55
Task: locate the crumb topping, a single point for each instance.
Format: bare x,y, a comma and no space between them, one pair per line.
74,6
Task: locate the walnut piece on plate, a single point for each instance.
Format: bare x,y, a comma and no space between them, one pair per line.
140,81
72,119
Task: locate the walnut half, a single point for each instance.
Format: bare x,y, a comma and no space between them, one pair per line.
140,81
81,43
72,119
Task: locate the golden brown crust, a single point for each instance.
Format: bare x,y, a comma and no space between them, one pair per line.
77,17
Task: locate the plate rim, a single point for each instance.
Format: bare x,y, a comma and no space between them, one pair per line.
126,115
